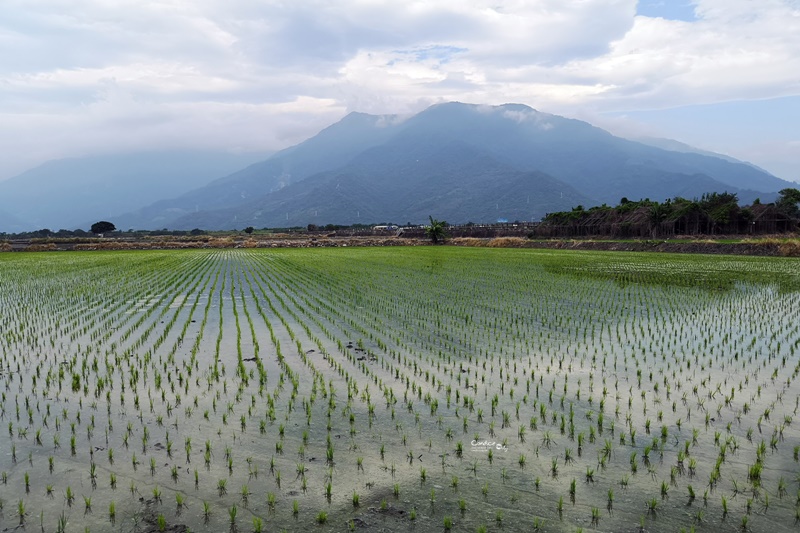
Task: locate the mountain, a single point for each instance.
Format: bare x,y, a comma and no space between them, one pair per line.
676,146
331,148
70,193
454,181
458,162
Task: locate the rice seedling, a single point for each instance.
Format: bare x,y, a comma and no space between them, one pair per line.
595,516
448,523
180,501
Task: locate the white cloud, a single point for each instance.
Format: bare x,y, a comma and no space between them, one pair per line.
90,75
146,77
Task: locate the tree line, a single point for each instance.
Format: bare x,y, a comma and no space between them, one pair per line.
712,213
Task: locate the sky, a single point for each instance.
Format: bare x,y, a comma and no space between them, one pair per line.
85,77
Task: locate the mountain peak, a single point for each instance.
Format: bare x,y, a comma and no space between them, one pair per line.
461,115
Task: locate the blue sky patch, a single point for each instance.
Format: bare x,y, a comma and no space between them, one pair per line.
440,53
667,9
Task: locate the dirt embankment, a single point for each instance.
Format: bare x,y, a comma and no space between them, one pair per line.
769,247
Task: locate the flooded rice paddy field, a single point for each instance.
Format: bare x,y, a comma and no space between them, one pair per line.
424,389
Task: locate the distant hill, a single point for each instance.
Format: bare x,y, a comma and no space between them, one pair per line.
11,224
459,162
71,193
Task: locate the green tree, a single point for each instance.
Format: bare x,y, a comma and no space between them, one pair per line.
658,214
436,231
788,202
102,227
722,209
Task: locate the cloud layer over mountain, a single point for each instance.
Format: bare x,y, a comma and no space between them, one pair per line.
89,76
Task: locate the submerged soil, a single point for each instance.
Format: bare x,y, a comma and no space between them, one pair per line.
497,388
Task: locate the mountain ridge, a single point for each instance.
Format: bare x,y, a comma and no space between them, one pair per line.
374,158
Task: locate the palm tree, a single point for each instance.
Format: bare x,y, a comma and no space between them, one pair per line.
436,230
